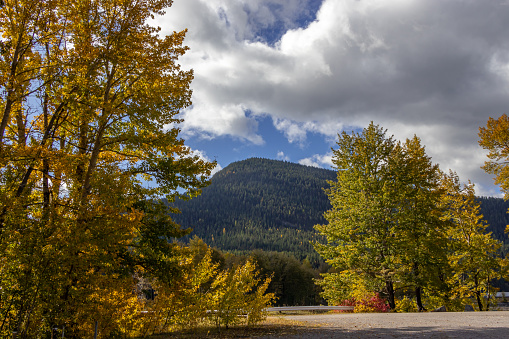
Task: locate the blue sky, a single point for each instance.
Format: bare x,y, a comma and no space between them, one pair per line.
280,79
226,149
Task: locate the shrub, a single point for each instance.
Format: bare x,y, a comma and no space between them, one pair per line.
368,303
406,305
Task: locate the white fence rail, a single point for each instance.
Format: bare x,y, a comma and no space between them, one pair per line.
309,308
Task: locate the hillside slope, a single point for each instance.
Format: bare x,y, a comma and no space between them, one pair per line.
273,205
260,204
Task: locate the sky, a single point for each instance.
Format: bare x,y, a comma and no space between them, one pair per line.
279,79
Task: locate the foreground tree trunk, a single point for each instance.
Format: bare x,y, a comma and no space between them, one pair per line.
390,294
418,296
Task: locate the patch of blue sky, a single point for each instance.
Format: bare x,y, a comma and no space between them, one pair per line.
309,15
226,149
271,31
223,16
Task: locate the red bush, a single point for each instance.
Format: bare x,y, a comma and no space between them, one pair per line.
375,303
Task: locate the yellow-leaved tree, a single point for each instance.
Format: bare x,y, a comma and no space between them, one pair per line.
398,224
473,253
495,139
208,294
90,98
383,234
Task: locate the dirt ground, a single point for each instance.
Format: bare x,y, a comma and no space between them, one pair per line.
465,325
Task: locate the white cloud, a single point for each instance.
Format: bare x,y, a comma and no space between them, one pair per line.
216,169
226,119
318,160
202,155
293,131
435,68
281,156
296,132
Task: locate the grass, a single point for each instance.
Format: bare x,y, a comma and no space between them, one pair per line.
273,325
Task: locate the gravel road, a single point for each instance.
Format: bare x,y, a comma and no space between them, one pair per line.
464,325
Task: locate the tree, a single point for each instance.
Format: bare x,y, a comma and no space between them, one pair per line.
362,230
384,231
419,220
495,139
293,282
398,222
472,253
89,107
223,296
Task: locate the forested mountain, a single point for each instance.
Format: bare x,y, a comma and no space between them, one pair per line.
260,204
273,205
495,213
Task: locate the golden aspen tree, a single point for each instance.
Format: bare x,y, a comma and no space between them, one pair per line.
236,292
208,294
495,139
473,253
185,303
90,103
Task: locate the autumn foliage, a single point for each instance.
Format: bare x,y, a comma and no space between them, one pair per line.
401,227
367,304
206,295
89,145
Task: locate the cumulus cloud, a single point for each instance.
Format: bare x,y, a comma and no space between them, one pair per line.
296,132
435,68
293,131
318,160
281,156
202,155
265,20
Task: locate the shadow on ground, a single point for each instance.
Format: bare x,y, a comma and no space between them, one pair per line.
257,331
383,333
306,332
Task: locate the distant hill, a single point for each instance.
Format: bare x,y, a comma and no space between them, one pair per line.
260,204
495,213
273,205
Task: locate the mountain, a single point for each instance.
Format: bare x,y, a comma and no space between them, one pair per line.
495,213
273,205
260,204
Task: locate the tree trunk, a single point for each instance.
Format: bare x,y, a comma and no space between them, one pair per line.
477,293
418,290
12,84
479,301
418,296
45,162
20,122
390,294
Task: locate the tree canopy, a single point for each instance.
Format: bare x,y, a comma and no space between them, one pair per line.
397,226
90,100
495,139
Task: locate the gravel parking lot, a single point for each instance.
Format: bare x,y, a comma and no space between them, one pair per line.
403,325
